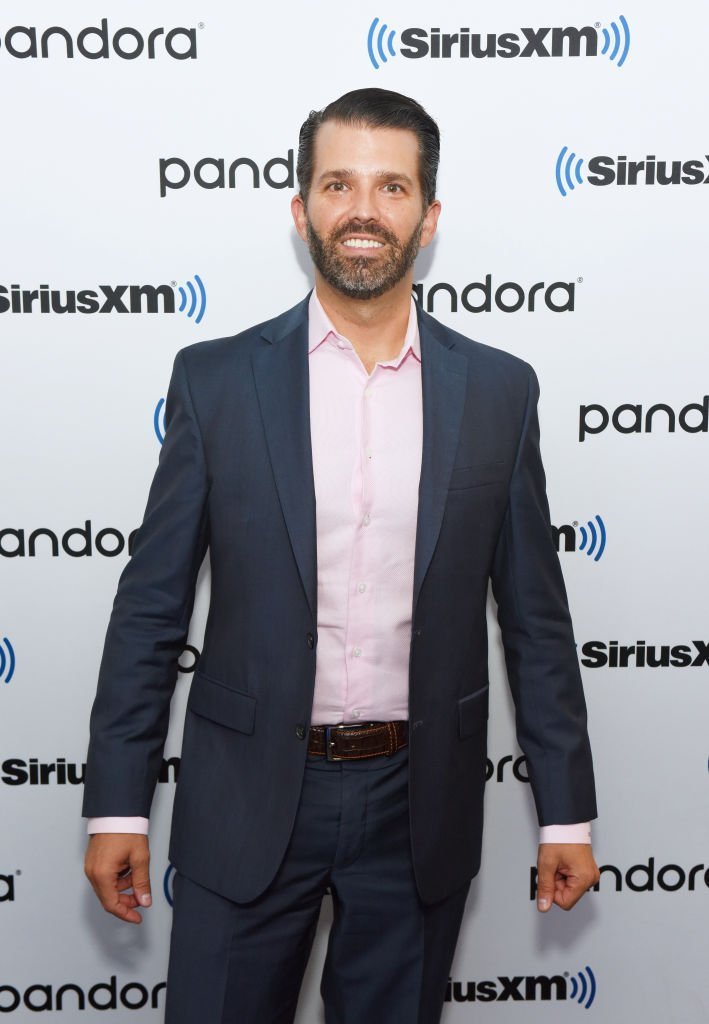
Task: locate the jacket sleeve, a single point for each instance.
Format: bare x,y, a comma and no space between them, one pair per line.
537,635
149,621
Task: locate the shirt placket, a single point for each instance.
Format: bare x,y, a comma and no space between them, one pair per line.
359,638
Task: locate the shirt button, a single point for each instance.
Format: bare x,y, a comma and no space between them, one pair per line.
300,732
361,587
357,651
341,343
310,640
356,713
367,519
369,453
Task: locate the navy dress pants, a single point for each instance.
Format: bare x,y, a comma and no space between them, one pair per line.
388,955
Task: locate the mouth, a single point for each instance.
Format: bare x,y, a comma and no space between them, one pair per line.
358,242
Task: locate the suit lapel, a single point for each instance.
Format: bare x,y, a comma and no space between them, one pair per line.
280,369
444,374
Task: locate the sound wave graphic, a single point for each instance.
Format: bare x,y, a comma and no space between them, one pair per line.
567,172
380,51
617,41
159,420
168,883
583,991
195,300
7,661
596,537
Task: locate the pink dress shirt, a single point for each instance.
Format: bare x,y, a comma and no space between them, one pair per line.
366,435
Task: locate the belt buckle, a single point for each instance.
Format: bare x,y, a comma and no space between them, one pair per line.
329,743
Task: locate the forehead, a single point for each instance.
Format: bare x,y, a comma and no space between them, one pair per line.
365,150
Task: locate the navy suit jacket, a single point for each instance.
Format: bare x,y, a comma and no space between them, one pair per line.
235,476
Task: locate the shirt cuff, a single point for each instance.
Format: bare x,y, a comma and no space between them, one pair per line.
580,833
136,826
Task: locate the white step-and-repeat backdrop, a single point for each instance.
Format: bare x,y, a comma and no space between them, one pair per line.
147,167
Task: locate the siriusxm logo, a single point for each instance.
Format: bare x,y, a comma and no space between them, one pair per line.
106,995
78,542
98,43
7,660
581,988
644,877
630,418
212,172
168,882
609,170
159,420
612,654
20,771
508,297
590,41
17,771
590,539
108,298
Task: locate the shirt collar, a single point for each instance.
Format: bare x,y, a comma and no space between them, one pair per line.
320,328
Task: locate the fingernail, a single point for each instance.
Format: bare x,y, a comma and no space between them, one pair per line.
145,899
543,904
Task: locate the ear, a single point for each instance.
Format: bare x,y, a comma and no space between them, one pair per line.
297,208
430,222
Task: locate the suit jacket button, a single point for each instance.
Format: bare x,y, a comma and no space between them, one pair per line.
310,640
300,732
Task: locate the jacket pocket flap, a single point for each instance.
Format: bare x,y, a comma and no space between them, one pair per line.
473,711
221,704
477,475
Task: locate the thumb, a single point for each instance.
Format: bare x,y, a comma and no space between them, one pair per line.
546,887
140,879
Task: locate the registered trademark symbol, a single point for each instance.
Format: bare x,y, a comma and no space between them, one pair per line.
597,24
174,284
566,974
200,24
580,280
575,522
19,871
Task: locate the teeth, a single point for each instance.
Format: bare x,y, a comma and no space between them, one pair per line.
363,243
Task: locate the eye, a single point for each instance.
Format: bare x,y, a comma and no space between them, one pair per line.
336,186
393,187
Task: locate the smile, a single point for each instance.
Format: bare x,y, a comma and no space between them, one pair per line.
362,243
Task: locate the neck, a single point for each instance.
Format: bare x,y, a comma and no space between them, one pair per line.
376,327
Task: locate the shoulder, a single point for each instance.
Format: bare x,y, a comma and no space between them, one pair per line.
485,361
218,354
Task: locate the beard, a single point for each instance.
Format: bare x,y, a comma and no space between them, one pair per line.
363,277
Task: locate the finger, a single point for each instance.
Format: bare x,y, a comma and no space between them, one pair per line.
570,888
568,897
140,880
121,905
546,886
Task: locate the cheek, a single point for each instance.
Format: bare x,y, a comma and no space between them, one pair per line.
327,217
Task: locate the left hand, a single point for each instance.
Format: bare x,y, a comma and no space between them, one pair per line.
564,872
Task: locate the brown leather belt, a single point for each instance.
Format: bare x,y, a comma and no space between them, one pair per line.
349,742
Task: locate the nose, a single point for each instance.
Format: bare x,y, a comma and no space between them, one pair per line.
364,206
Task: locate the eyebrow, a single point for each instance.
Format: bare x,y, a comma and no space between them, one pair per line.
345,172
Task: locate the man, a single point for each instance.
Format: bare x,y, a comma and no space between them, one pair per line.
359,473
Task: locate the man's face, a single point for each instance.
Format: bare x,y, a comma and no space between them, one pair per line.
365,218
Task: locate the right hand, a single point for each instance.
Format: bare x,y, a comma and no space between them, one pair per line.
113,854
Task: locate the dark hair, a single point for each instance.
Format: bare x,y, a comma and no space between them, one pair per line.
374,108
